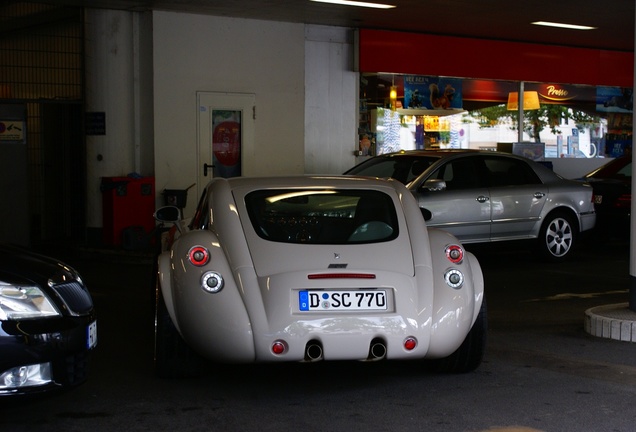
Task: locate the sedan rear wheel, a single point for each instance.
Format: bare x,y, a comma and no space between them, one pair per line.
557,237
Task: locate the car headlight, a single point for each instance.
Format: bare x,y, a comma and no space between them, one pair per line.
24,302
25,376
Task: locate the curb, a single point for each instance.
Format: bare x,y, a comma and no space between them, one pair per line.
615,322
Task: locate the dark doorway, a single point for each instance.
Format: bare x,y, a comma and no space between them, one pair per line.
59,214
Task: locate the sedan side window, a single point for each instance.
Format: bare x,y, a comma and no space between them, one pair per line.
510,172
459,174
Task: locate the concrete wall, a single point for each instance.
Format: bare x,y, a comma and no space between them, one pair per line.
109,90
144,71
119,84
331,100
204,53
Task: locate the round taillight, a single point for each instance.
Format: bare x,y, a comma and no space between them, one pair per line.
454,253
279,347
454,278
410,343
212,282
198,256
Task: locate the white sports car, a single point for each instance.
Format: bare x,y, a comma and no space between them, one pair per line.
312,268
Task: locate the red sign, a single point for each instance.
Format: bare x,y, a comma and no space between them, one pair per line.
226,142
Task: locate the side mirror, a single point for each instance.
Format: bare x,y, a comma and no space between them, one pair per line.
168,214
434,185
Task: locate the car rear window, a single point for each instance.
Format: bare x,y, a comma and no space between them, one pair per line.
322,216
620,169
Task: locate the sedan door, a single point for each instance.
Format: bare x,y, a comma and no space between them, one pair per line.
517,197
462,205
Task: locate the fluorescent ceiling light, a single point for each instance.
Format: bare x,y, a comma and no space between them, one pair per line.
357,3
561,25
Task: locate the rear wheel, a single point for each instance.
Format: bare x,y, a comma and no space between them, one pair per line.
469,355
173,357
557,237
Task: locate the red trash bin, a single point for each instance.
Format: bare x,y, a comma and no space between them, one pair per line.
126,202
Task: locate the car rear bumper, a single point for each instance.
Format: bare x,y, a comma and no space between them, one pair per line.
588,220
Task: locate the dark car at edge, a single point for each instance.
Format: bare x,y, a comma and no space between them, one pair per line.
48,326
612,184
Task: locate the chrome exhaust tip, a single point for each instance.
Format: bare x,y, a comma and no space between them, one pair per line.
377,351
313,351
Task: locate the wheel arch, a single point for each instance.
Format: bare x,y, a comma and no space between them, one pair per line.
567,210
454,309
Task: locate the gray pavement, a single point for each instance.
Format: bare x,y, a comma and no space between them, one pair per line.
542,370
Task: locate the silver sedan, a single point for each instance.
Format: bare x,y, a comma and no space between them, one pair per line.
486,196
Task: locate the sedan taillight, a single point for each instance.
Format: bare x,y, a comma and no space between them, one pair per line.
623,201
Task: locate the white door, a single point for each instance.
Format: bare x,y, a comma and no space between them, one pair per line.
225,134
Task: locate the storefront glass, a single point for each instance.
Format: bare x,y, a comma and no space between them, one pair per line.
404,112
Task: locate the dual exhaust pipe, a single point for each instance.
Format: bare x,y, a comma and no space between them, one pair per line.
314,352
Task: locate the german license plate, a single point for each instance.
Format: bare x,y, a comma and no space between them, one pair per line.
364,299
91,333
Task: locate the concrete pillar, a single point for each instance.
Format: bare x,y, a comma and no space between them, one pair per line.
632,240
110,91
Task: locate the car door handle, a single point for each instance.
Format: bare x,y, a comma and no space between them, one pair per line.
482,198
538,195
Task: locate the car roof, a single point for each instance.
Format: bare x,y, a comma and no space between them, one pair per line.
610,168
445,154
435,153
308,181
546,174
450,153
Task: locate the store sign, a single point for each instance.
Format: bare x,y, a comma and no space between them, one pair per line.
432,92
436,124
556,93
11,130
563,94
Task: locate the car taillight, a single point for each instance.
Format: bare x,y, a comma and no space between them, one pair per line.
279,347
454,278
454,253
623,201
198,256
212,282
410,343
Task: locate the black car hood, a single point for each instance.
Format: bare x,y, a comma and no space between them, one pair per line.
19,265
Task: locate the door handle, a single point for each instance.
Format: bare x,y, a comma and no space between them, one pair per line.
205,169
482,198
538,195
